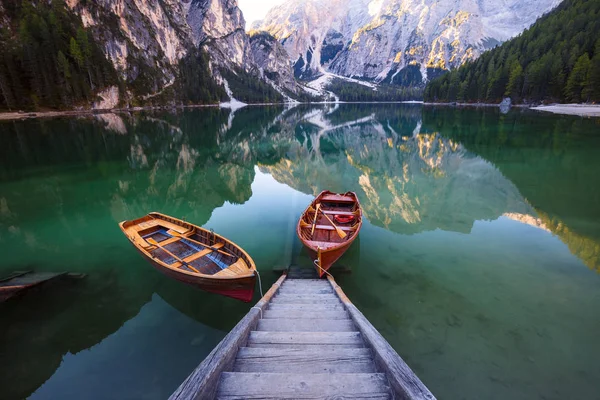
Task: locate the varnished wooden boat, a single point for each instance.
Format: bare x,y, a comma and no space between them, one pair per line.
321,235
193,255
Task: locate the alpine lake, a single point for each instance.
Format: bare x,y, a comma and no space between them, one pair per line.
478,261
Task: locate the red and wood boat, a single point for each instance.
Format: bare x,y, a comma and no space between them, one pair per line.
329,226
193,255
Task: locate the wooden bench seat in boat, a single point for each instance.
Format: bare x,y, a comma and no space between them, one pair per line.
331,228
161,222
322,245
333,212
337,198
204,252
169,241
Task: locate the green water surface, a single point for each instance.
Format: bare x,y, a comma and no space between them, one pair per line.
478,260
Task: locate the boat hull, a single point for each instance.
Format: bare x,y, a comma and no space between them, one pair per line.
325,253
236,280
328,258
236,288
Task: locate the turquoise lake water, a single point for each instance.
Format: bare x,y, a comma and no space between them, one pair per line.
478,260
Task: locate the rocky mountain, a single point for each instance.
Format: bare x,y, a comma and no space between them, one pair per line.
162,32
118,52
394,41
273,61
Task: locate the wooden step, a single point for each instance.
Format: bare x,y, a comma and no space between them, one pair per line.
306,290
313,361
310,282
323,296
305,314
307,307
307,340
303,300
305,325
247,385
303,275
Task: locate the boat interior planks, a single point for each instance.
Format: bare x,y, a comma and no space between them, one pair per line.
193,255
328,227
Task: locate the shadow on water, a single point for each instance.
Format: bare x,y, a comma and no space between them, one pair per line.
471,260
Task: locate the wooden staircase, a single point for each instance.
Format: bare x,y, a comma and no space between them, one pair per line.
303,340
305,346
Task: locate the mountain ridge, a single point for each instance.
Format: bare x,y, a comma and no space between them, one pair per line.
556,60
153,52
378,40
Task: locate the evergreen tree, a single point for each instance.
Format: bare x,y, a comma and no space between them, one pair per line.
76,53
557,59
591,91
578,79
515,81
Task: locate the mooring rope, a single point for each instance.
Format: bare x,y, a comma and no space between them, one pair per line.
259,284
316,262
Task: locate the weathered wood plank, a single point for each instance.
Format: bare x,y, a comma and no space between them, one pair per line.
306,297
305,325
316,296
342,339
258,352
306,282
305,314
21,282
307,290
240,385
310,361
307,307
304,300
203,381
403,380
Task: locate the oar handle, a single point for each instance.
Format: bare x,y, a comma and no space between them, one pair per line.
312,231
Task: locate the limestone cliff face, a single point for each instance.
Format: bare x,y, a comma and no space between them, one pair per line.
273,61
150,37
218,25
376,39
138,35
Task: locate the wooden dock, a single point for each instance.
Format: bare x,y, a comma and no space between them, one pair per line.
303,340
20,282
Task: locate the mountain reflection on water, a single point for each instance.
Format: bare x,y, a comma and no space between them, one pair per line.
420,173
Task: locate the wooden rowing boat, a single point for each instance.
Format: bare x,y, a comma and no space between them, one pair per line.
193,255
329,226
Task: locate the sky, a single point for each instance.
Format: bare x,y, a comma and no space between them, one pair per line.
256,9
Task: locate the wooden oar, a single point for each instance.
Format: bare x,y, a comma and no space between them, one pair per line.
213,248
312,231
340,232
155,243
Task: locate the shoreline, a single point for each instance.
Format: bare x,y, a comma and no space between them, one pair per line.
23,115
16,115
581,110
